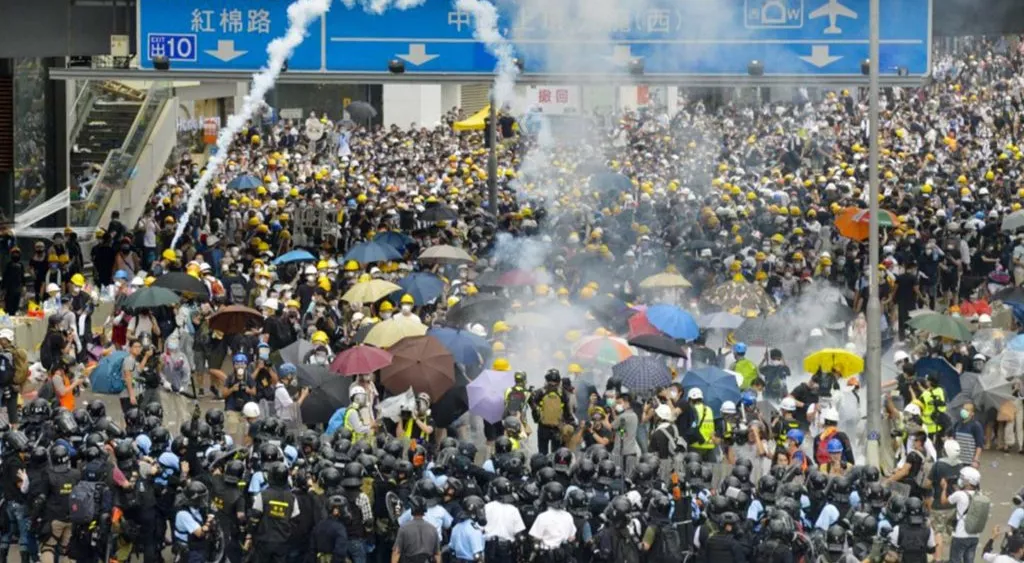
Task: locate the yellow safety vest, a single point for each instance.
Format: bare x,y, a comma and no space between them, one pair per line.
356,436
939,396
928,400
407,432
706,427
515,443
787,425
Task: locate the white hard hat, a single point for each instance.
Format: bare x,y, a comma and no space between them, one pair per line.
900,356
356,390
204,267
663,412
137,281
984,318
478,329
310,270
7,334
912,410
695,394
788,404
728,407
52,288
271,303
952,448
251,410
971,476
831,414
816,332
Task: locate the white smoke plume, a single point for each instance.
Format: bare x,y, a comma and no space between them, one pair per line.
301,14
486,30
380,6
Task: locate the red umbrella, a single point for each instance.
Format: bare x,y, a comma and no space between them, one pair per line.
420,362
360,359
639,326
515,278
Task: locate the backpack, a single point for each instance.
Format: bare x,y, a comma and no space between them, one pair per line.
821,452
82,502
515,401
924,473
46,390
21,370
551,406
7,369
238,293
977,513
336,422
668,545
107,378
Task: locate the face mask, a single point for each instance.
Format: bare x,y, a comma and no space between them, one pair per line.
964,414
321,309
619,408
172,346
321,359
610,402
673,394
406,308
264,353
75,289
386,315
239,371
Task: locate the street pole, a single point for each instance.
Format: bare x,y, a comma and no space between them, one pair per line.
492,159
873,367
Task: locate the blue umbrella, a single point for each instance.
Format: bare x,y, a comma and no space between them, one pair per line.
467,348
398,241
1017,344
245,182
294,256
423,287
371,251
717,385
949,378
673,321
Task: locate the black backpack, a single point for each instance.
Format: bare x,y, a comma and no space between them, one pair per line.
7,369
668,545
84,502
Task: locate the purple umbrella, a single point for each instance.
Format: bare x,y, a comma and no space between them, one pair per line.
486,394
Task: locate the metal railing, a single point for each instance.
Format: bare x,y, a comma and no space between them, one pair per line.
119,166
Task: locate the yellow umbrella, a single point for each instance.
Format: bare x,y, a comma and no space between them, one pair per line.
665,280
845,362
370,291
387,333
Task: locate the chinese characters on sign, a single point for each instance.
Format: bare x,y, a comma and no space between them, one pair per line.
656,21
231,21
554,100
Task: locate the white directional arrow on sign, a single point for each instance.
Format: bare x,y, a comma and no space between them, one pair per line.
417,54
225,51
820,57
621,54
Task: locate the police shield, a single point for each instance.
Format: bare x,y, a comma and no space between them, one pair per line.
394,505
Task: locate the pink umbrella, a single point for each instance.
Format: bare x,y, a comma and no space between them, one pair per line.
361,359
639,326
515,278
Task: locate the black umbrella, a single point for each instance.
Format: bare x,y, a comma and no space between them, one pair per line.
296,352
1010,295
324,400
312,376
438,212
659,344
361,111
150,298
181,283
766,331
363,331
453,404
609,309
479,307
641,373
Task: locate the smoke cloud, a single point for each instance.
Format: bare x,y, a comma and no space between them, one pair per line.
300,15
380,6
485,30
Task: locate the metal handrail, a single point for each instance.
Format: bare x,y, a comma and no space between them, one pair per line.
84,102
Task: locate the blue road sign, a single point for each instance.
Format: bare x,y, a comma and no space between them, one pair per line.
673,37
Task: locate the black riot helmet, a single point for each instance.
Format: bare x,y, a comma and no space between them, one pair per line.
215,418
60,456
337,507
84,421
277,474
96,409
835,539
330,478
617,511
584,472
124,450
766,488
546,475
17,441
196,494
474,507
353,475
780,528
502,445
153,409
234,471
501,490
553,494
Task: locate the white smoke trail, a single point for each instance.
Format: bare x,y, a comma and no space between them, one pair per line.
485,30
301,14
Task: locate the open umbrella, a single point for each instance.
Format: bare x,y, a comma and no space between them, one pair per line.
658,344
639,326
845,362
717,385
393,406
768,331
741,298
453,404
386,333
445,254
424,287
394,239
420,362
370,291
949,378
853,222
724,321
607,350
150,298
244,182
324,400
969,385
994,389
1013,221
479,307
183,284
607,308
642,373
467,348
673,321
312,376
361,111
369,252
235,319
665,280
1010,294
938,324
360,359
517,278
294,256
436,213
296,352
486,394
611,182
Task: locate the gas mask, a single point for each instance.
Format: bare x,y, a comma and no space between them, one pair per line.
264,353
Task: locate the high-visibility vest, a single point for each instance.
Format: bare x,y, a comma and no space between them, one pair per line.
407,431
706,427
787,425
928,411
356,436
515,443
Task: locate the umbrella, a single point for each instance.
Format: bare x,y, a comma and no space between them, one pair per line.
235,319
361,111
845,362
486,394
359,360
665,280
726,321
938,324
608,308
296,352
244,182
528,319
1013,221
370,291
1010,295
611,181
969,385
294,256
324,400
182,283
476,307
437,213
853,222
453,404
424,287
312,376
393,406
990,341
994,388
949,378
1017,344
658,344
362,331
395,240
370,251
642,373
639,326
517,278
467,348
602,349
673,321
386,333
420,362
742,298
150,298
717,385
445,254
765,331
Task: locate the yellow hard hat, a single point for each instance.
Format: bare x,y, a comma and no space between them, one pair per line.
453,301
761,275
798,255
990,175
385,307
497,347
499,327
78,279
783,211
501,364
351,266
926,189
826,261
407,299
964,192
292,304
254,221
149,281
794,210
735,266
324,283
541,289
361,198
777,237
261,191
321,265
760,256
573,335
255,139
319,337
169,255
575,368
961,179
798,231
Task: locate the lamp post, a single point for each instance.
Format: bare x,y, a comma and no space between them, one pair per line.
492,157
873,367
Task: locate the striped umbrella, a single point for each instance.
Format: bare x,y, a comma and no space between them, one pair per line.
853,222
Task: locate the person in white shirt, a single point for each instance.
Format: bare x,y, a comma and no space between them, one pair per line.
554,527
964,545
1014,549
285,407
504,523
